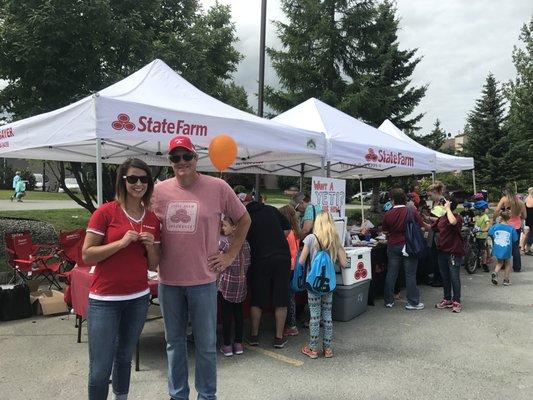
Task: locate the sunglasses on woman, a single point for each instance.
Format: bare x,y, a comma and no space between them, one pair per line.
133,179
176,158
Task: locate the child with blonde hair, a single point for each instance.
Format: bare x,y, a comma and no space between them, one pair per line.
503,238
324,237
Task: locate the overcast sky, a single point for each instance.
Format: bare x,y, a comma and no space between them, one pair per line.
460,41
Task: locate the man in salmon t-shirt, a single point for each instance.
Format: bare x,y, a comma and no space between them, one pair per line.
190,207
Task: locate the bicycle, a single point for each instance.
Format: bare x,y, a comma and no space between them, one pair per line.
473,254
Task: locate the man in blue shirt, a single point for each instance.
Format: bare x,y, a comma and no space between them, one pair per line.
301,202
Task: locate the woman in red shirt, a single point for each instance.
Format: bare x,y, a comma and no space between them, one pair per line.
123,242
450,254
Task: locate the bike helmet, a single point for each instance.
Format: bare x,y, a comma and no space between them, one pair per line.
387,206
478,196
468,204
481,205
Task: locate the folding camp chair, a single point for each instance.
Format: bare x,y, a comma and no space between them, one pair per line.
69,251
31,261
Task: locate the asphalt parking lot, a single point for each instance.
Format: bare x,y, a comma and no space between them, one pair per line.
486,352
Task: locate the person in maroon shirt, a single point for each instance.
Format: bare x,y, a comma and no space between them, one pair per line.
394,225
450,254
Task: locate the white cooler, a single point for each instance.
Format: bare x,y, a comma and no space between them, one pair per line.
358,268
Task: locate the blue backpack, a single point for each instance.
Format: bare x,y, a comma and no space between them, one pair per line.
321,276
299,275
415,244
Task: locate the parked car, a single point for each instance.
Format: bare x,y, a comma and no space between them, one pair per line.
40,183
366,196
71,185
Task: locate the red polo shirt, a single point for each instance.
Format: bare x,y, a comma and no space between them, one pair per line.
394,224
123,275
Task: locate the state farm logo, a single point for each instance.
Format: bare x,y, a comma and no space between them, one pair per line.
371,156
123,122
154,125
181,216
389,157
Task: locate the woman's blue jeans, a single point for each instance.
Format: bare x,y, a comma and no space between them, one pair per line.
114,328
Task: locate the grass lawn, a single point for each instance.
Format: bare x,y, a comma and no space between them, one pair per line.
36,195
65,220
275,196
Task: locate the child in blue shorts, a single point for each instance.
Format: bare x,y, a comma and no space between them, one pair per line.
503,236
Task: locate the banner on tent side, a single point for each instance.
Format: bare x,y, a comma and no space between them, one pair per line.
330,194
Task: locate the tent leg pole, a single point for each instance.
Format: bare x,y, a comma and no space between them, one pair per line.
99,191
302,173
323,166
474,180
362,200
328,169
257,180
433,176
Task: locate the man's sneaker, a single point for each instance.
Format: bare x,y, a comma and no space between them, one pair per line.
253,340
291,331
506,282
280,343
494,278
485,268
456,308
238,348
419,306
389,305
227,350
444,304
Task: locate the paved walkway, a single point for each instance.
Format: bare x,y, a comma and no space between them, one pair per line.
6,205
484,353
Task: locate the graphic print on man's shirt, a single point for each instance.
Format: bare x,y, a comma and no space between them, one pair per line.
502,238
182,216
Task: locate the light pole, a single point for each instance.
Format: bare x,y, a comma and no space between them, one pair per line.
260,92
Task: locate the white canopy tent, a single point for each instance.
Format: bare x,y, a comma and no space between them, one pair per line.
137,116
355,149
444,162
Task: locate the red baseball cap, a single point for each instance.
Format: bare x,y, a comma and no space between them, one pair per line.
180,142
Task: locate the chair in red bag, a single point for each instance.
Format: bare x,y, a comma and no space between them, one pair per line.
31,261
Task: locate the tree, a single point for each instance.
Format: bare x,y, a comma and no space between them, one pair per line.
345,53
519,124
435,139
487,141
54,53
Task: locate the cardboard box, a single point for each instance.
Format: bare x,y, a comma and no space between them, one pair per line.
48,302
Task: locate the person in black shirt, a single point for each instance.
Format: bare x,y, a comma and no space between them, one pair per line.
270,267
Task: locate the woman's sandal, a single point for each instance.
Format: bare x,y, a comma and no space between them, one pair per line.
309,352
328,352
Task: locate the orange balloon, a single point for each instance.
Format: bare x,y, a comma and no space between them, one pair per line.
222,151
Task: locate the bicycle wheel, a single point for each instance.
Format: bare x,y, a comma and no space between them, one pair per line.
471,259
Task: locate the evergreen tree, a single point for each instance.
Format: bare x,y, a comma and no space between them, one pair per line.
345,53
486,140
435,139
519,124
380,87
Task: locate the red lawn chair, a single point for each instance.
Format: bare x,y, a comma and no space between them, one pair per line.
31,261
70,245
